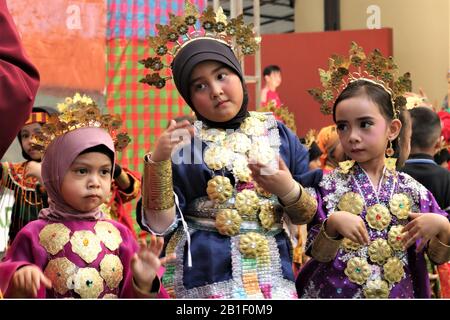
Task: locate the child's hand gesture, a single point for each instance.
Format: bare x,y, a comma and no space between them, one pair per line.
175,134
146,262
423,226
277,181
27,281
348,225
33,169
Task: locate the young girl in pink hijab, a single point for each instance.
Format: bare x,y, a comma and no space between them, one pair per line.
71,250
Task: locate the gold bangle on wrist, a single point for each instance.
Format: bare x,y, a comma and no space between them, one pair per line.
324,247
157,184
438,252
303,210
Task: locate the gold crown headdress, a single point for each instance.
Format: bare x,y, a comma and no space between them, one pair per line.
182,30
374,68
79,112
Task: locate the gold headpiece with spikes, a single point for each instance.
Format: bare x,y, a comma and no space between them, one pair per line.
374,68
282,112
79,112
310,138
182,30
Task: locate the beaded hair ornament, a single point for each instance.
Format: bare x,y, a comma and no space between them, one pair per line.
374,68
80,112
183,29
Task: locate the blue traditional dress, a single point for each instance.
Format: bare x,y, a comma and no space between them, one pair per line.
382,269
237,244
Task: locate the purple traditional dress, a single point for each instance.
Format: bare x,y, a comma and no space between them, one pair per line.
382,269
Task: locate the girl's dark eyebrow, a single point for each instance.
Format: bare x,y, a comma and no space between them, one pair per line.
213,71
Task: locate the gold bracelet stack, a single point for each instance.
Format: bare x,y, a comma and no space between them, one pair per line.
325,248
438,252
158,185
303,210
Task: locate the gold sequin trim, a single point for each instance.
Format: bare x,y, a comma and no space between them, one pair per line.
247,204
357,270
351,202
378,217
228,222
219,189
111,269
377,289
400,205
86,244
393,270
58,271
395,237
108,234
253,245
88,283
379,251
53,237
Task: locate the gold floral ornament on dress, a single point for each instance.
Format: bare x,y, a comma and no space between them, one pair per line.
213,135
261,191
59,270
350,245
217,157
241,169
373,68
262,153
357,270
86,244
111,270
377,289
219,189
351,202
238,142
228,222
395,237
247,204
267,215
182,30
379,251
378,217
253,245
253,126
400,205
79,112
88,283
346,166
53,237
108,234
393,270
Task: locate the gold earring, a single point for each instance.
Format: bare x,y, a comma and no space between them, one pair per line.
389,150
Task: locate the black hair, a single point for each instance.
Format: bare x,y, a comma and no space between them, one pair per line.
102,149
378,95
442,156
269,69
426,127
314,150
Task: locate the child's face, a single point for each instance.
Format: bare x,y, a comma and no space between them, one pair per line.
87,183
273,79
216,91
25,135
362,129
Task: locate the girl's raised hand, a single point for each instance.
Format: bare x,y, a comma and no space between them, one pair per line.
347,225
423,226
277,181
146,262
27,281
175,134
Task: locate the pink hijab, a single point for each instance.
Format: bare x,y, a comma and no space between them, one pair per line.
57,160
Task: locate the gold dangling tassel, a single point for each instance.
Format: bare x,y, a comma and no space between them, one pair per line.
390,162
